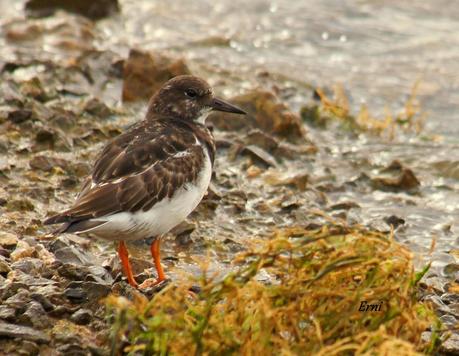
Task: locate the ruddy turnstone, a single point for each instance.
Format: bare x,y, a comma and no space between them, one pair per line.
150,178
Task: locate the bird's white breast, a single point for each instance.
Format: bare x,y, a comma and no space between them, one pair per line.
162,217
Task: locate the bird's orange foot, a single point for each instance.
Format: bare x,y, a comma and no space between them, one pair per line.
149,283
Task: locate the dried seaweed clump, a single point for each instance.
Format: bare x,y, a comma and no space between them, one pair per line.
410,119
318,281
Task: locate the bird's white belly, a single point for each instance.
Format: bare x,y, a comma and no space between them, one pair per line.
162,217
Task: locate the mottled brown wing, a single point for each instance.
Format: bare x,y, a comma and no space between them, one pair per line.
139,191
149,167
139,148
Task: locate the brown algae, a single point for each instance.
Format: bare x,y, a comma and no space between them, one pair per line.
311,302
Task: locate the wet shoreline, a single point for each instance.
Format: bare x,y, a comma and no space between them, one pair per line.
59,106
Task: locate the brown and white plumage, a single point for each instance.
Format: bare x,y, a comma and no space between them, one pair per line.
148,179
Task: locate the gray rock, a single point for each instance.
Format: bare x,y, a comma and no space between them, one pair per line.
4,267
61,310
93,291
449,298
438,304
7,313
43,300
35,316
23,332
71,254
73,349
29,348
51,292
82,316
18,301
75,272
93,9
451,345
99,274
8,240
448,320
259,155
76,295
29,265
28,281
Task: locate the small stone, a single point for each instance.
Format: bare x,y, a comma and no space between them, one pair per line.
394,221
29,265
18,301
264,112
262,139
7,239
4,268
76,295
23,250
45,163
72,271
144,73
71,254
93,9
24,279
449,298
19,116
448,320
405,180
345,205
93,291
23,332
259,155
72,349
81,316
451,345
35,316
7,313
97,108
43,300
60,311
451,270
29,348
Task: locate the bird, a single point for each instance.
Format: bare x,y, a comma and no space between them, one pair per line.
150,178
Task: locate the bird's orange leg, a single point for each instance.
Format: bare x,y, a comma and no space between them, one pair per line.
124,257
154,248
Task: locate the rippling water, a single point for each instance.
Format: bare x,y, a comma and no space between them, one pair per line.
376,49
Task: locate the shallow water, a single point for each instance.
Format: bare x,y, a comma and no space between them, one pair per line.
376,49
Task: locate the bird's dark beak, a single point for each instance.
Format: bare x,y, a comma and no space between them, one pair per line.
221,105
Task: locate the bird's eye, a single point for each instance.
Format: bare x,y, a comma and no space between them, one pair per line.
191,93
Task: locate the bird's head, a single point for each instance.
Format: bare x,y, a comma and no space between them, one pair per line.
189,98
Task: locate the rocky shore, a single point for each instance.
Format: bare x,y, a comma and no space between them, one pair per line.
63,95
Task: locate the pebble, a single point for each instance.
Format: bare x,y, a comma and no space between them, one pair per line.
22,250
29,348
35,316
19,300
71,254
7,239
43,300
7,313
90,290
29,265
23,332
81,316
451,345
76,295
